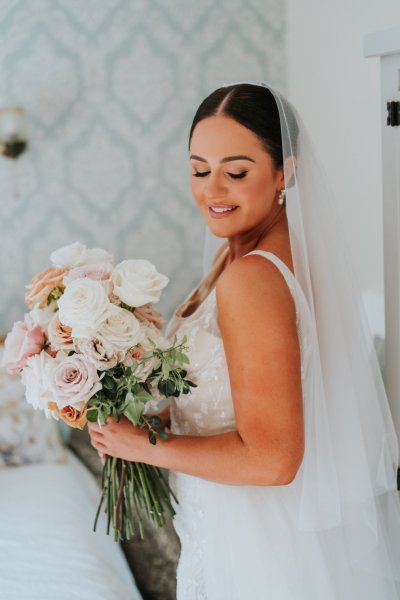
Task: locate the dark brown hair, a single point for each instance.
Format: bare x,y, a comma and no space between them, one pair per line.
253,106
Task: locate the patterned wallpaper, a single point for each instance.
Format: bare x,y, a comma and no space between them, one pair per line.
110,88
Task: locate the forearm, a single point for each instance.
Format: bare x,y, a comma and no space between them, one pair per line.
222,458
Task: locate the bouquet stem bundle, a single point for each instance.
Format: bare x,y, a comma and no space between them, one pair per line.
127,488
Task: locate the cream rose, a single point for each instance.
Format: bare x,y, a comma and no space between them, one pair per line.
43,316
122,330
137,282
84,307
76,255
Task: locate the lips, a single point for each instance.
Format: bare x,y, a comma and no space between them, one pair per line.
221,210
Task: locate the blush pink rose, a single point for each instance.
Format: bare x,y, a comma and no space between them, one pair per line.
73,381
147,314
136,354
98,272
38,290
24,340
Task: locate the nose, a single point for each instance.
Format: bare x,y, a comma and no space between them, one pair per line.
214,187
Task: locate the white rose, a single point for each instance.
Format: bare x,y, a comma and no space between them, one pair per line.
42,316
122,330
84,307
95,256
68,256
76,255
137,282
35,377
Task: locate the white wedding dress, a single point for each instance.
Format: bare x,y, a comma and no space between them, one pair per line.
242,542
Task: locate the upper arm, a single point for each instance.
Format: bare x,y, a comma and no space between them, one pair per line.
257,320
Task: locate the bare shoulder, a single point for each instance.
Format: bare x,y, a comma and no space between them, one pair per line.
256,286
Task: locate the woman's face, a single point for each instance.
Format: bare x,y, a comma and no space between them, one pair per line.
233,178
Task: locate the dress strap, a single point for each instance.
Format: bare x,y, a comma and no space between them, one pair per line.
284,269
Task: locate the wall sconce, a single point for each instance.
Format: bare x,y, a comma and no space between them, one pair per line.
13,131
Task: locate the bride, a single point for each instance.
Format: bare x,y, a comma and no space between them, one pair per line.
284,458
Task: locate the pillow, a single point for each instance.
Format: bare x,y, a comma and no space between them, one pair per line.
26,435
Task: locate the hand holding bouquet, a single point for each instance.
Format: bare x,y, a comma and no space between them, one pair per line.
92,346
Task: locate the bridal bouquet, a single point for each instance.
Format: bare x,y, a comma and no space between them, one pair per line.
91,346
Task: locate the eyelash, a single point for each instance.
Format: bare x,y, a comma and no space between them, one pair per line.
232,175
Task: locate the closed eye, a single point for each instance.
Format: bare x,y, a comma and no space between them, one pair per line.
200,173
232,175
238,175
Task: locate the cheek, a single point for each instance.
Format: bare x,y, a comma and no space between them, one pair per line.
257,194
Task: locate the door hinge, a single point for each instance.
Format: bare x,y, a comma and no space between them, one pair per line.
393,116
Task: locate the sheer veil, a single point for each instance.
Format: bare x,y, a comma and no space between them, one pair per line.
346,487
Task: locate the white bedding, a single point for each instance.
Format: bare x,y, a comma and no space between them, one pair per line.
48,550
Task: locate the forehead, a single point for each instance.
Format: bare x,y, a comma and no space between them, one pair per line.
222,135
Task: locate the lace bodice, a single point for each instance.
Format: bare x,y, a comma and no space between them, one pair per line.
208,409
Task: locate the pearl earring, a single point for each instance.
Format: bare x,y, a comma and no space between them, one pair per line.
282,196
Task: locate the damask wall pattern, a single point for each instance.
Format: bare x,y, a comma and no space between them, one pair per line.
110,88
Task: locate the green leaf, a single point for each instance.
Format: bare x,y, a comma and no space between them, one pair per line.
133,411
91,415
163,435
129,397
104,413
152,437
143,396
155,421
165,370
156,365
162,386
109,383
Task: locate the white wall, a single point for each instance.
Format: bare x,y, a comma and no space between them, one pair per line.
336,90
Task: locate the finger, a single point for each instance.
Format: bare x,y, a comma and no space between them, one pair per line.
102,456
93,426
97,439
100,447
96,436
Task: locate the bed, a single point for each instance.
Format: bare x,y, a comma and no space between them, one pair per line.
48,501
47,546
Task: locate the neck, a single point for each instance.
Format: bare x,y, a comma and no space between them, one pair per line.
273,230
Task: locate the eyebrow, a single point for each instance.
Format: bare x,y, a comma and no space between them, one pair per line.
226,159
